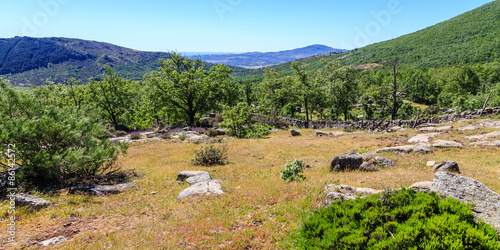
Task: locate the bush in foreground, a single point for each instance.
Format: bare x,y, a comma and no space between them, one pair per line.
292,170
401,219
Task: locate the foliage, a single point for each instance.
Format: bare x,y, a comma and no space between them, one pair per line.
188,89
402,219
239,122
135,136
292,170
271,120
210,155
55,146
211,132
182,136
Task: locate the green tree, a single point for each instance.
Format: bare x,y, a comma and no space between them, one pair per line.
275,93
113,96
186,86
303,87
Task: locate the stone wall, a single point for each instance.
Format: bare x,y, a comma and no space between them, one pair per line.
385,125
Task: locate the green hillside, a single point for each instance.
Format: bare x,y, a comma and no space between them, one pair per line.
473,37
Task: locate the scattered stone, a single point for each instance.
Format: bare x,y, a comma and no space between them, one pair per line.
53,241
384,162
490,123
100,190
471,191
424,125
448,166
397,129
295,132
418,148
31,201
368,167
336,134
368,156
193,177
424,186
320,133
202,188
483,137
154,192
422,149
468,128
431,163
444,128
221,131
427,129
346,162
345,192
447,144
486,143
423,138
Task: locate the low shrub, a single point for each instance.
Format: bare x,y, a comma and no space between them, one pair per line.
211,132
135,136
210,155
182,136
271,120
292,170
402,219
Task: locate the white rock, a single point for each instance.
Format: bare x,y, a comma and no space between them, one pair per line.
483,137
446,144
431,163
202,188
53,241
423,138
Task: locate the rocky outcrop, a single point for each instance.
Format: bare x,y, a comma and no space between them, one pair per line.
424,186
212,187
468,128
320,133
447,166
31,201
418,148
486,143
483,137
368,167
446,144
53,241
423,138
471,191
346,162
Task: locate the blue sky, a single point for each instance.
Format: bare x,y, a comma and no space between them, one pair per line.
226,25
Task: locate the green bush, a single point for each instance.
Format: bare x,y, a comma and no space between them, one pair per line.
55,146
292,170
210,155
211,132
182,136
402,219
239,122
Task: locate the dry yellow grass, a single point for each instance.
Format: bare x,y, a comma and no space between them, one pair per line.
258,209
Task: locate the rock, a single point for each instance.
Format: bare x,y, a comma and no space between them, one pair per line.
431,163
193,177
426,125
423,138
295,132
368,167
448,166
336,134
31,201
468,128
346,162
221,131
471,191
426,129
486,143
53,241
345,192
490,123
483,137
384,162
444,128
100,190
196,138
397,129
419,148
446,144
368,156
320,133
202,188
424,186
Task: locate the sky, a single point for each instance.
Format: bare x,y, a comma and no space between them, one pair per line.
226,25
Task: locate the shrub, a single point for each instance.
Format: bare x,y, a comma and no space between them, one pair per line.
182,136
211,132
135,136
402,219
271,120
210,155
55,146
292,170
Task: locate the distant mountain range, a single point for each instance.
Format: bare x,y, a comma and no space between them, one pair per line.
260,59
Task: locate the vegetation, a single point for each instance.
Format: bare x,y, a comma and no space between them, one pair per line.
239,122
210,155
292,170
396,220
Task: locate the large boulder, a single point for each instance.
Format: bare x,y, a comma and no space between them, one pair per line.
368,167
471,191
212,187
346,162
448,166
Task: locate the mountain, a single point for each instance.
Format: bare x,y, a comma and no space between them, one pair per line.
259,59
473,37
26,60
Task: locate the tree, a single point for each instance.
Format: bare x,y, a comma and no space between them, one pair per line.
112,95
396,93
54,146
275,92
188,87
303,86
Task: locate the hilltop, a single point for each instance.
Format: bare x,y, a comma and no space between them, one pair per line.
259,59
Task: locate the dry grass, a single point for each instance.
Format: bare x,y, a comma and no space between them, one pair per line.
258,209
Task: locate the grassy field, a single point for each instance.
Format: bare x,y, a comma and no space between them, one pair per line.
258,209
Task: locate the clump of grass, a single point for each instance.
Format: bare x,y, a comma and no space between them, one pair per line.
402,219
182,136
210,155
292,170
135,136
